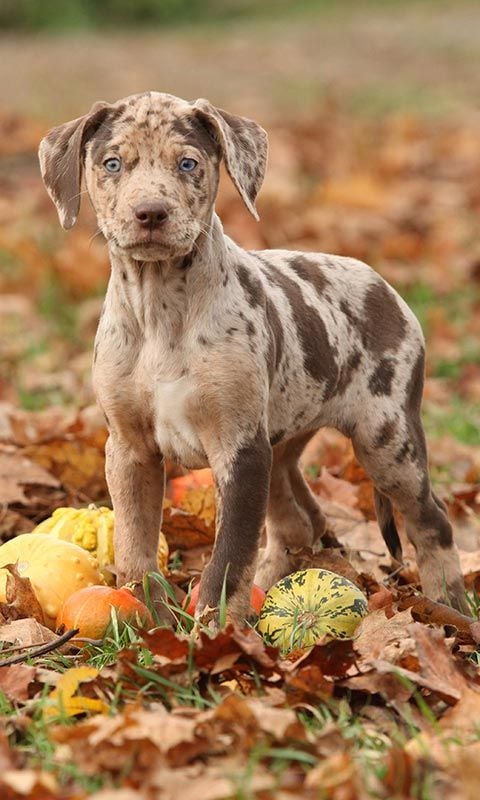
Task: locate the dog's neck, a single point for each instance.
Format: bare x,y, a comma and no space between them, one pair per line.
142,289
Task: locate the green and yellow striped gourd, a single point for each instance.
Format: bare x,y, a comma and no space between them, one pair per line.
308,605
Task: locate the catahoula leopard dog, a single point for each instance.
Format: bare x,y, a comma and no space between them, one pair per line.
211,355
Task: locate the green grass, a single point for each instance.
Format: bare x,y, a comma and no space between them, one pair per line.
55,305
461,417
460,420
33,741
61,15
458,305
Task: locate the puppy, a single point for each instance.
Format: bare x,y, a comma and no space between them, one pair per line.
214,356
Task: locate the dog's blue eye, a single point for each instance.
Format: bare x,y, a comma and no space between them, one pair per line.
187,164
113,164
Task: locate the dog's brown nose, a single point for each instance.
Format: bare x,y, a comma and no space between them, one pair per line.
151,214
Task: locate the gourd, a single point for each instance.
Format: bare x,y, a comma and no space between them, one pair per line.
92,529
308,605
257,598
56,569
89,610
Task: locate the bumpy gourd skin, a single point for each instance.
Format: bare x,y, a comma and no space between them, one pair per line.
92,529
55,568
309,605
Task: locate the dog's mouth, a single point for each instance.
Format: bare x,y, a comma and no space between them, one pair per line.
146,243
150,248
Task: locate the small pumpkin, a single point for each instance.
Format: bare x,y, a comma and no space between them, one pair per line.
56,569
89,610
308,605
257,599
92,529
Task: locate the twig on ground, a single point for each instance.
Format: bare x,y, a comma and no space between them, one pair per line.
40,651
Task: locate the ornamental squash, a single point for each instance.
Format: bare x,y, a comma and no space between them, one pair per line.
56,569
92,529
89,610
308,605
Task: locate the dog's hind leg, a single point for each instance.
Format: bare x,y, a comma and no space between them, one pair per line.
394,455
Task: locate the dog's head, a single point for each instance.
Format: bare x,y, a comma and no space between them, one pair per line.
151,165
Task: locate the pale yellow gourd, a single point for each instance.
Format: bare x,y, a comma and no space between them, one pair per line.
92,529
55,568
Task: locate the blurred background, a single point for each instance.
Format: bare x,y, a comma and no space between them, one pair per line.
373,112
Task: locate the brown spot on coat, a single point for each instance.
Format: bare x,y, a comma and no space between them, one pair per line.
382,324
191,131
380,382
310,272
275,338
251,286
318,354
386,433
347,370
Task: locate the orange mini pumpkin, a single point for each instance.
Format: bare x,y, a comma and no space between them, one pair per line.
89,610
257,599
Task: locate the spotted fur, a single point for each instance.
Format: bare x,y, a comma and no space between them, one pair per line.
210,355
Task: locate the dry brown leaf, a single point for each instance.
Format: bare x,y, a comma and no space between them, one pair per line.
33,784
336,778
436,661
20,599
79,464
329,558
164,642
12,523
185,531
428,611
463,718
26,632
210,781
381,637
15,680
383,598
17,473
330,488
279,723
308,684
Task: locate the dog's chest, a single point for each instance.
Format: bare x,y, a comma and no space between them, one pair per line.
174,429
145,384
162,376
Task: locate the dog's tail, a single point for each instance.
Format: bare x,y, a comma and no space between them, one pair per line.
386,521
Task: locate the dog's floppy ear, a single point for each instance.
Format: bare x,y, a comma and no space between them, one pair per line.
244,147
61,156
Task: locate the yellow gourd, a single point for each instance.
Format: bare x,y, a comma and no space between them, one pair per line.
92,529
309,605
56,569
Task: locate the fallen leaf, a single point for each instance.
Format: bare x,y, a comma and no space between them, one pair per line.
428,611
382,637
20,599
328,558
32,784
17,473
436,661
184,530
15,680
63,700
25,632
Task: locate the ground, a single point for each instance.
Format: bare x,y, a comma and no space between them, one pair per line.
372,113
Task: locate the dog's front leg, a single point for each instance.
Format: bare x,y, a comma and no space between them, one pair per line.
136,481
242,494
